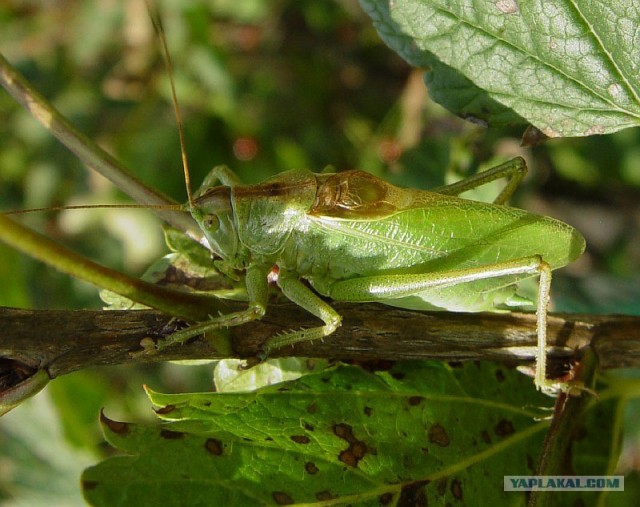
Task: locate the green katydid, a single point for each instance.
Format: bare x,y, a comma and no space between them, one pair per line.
354,237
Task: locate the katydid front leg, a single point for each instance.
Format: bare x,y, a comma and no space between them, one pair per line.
219,174
258,293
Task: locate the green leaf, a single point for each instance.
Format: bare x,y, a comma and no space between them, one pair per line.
461,96
179,242
570,68
419,433
192,265
232,375
343,433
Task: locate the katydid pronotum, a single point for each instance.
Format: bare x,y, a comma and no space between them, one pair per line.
354,237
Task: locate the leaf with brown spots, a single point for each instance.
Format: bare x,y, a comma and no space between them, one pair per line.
410,434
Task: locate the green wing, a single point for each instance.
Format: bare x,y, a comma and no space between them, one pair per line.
444,234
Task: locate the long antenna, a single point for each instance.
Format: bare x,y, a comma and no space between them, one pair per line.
177,207
157,25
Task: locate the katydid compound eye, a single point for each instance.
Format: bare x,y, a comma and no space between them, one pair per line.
211,223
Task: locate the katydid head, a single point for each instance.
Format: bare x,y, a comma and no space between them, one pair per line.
214,214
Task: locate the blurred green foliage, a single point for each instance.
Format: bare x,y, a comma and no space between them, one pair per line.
264,87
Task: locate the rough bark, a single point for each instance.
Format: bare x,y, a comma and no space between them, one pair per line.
62,341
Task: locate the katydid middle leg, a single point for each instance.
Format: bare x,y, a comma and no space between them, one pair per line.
303,296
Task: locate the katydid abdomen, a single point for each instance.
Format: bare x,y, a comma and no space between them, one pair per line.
445,234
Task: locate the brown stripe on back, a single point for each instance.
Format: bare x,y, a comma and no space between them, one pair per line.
272,189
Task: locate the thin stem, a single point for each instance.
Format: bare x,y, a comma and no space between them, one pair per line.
179,304
88,152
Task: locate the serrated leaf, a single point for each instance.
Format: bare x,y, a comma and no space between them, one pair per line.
420,433
568,67
343,434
